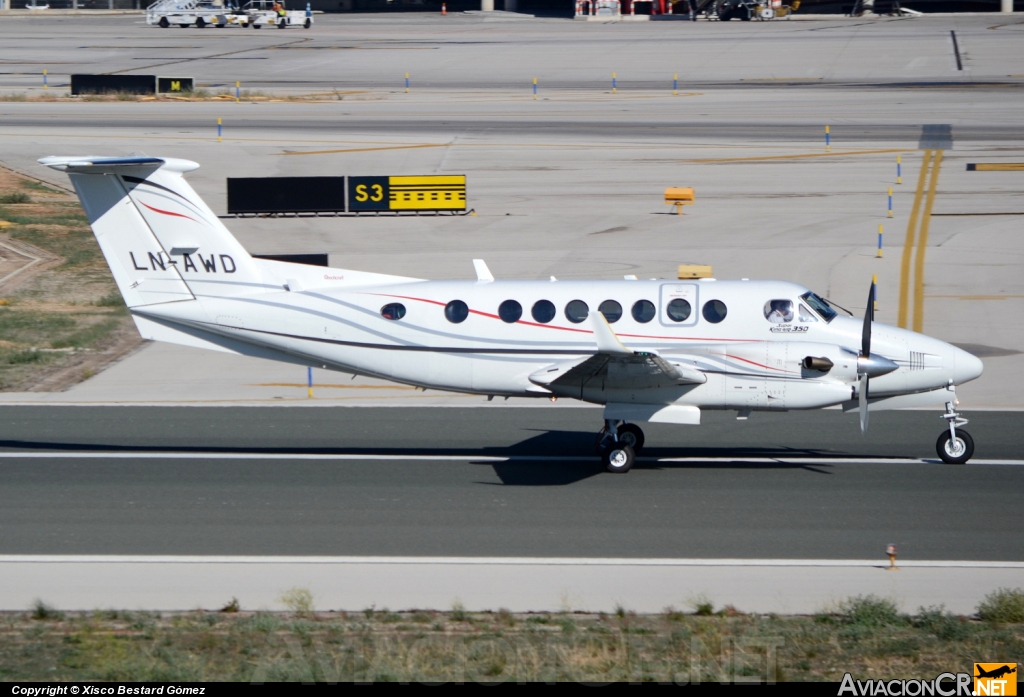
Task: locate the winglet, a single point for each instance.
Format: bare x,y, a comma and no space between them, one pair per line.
606,340
482,272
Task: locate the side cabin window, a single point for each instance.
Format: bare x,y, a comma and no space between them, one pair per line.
543,311
714,311
576,311
778,311
510,311
678,310
393,311
456,311
643,311
611,310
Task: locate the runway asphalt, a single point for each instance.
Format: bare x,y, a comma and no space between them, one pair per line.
498,482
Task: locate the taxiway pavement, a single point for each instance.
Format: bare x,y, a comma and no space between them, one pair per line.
570,185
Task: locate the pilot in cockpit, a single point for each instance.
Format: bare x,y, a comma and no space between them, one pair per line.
779,311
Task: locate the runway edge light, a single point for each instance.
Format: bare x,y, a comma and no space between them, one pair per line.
890,551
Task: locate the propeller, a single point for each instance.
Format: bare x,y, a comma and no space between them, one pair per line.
865,353
869,366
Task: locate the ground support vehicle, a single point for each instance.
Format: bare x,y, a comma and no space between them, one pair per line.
187,13
261,13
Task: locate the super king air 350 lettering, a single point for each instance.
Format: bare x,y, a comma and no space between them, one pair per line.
657,351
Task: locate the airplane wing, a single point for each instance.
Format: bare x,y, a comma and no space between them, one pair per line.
614,366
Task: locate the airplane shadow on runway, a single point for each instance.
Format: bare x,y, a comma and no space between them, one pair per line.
527,464
536,471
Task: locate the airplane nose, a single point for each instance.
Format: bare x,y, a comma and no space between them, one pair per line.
966,366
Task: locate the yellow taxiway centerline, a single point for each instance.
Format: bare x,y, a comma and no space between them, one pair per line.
908,244
922,244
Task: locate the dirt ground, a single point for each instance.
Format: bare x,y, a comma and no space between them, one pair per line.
61,317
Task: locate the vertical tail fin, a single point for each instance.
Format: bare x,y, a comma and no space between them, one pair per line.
162,243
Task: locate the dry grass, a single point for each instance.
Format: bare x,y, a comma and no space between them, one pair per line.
864,638
62,311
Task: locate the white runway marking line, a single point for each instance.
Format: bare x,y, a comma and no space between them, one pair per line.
171,455
495,561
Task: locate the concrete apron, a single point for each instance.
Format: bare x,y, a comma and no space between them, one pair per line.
479,584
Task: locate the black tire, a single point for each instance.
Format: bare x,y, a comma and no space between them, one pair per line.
743,13
200,22
282,24
618,458
956,454
164,23
221,26
183,26
255,26
724,16
633,436
307,24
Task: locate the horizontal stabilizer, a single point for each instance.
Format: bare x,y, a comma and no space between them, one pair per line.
65,163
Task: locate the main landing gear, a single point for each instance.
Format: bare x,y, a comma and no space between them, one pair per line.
955,446
618,444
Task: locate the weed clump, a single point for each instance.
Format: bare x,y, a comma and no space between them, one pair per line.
704,609
24,357
941,623
1003,605
42,611
15,197
298,600
113,299
870,611
458,613
673,615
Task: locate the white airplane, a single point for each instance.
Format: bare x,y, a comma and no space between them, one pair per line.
656,351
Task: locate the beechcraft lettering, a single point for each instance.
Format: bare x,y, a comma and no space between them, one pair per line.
161,260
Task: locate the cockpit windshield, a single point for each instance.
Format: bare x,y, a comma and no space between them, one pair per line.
819,305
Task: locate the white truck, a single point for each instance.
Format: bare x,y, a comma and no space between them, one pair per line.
202,13
260,13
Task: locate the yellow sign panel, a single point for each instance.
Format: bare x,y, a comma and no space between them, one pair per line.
429,193
995,679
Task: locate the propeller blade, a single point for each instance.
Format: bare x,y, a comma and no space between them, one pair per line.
862,396
869,317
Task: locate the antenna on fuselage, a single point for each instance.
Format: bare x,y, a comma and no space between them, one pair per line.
482,272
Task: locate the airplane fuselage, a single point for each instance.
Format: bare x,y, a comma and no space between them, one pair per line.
750,361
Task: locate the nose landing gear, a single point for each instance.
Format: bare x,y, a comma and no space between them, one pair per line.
954,446
618,443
